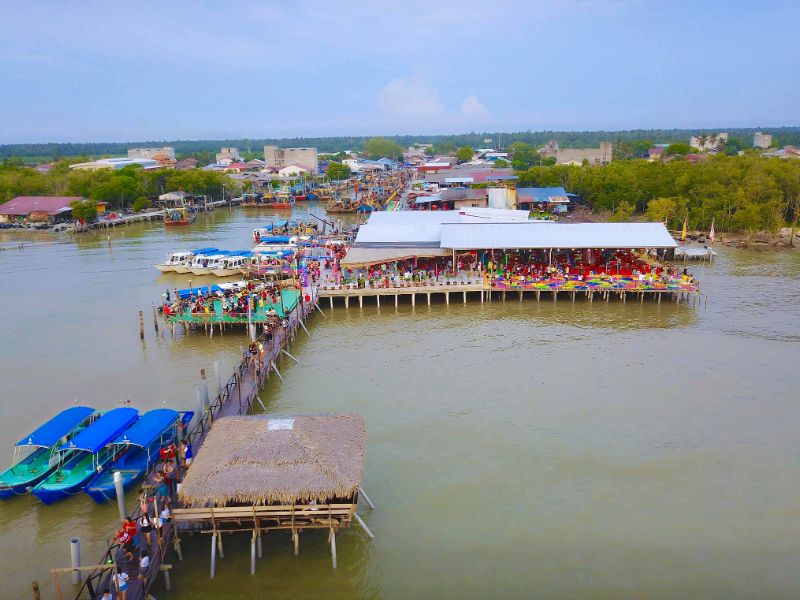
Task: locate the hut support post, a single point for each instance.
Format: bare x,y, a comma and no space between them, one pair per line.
333,547
465,297
178,550
366,498
396,296
213,553
253,553
364,525
219,546
296,541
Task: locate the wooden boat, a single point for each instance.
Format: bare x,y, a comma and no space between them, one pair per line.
137,450
179,216
35,466
82,457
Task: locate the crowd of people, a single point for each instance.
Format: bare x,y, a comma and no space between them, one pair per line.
136,536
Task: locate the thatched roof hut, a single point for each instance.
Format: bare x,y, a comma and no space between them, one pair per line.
288,459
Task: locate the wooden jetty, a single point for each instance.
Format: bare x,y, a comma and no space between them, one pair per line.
485,292
236,397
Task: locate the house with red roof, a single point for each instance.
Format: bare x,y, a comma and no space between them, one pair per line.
51,209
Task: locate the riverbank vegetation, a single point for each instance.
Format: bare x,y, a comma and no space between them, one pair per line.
131,187
739,193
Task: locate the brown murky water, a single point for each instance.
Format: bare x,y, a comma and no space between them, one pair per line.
514,449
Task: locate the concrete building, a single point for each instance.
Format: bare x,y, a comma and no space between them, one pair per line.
762,140
164,156
284,157
707,142
575,156
231,154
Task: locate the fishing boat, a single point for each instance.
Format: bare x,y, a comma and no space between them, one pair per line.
29,469
233,265
180,215
85,455
137,450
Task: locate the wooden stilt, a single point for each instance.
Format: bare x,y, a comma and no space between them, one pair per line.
219,546
333,547
361,302
258,545
347,301
413,299
396,297
378,300
447,297
331,299
364,525
296,542
465,297
213,554
253,554
520,295
429,298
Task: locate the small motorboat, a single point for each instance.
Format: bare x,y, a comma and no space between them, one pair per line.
85,455
186,266
233,265
29,470
203,265
182,215
173,261
137,450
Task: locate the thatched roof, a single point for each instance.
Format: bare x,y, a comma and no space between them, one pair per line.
277,458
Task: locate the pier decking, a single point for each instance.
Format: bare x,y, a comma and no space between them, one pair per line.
236,397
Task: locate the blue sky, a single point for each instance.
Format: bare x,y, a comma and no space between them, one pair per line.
119,71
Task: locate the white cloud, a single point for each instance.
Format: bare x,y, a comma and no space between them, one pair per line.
473,108
410,97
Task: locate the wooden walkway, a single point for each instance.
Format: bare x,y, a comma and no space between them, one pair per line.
236,398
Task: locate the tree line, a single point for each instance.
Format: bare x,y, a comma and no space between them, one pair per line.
566,139
738,193
130,187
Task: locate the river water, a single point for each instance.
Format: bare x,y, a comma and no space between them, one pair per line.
514,449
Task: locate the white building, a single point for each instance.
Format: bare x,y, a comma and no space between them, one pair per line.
162,155
284,157
229,154
762,140
292,171
117,163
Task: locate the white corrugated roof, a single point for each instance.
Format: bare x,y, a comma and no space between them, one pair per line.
416,227
463,236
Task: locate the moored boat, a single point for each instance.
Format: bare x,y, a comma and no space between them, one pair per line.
233,265
82,457
181,215
44,441
173,261
137,450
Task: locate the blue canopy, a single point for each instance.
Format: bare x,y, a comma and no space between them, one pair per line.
57,427
276,224
206,250
205,290
148,429
275,239
101,432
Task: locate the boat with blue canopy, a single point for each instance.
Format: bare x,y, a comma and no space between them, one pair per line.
137,450
29,469
85,455
184,266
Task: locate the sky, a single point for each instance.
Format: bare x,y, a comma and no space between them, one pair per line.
165,70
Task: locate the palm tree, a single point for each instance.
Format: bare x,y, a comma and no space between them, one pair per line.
714,141
702,140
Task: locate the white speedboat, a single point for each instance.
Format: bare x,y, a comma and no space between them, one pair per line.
205,264
174,260
232,265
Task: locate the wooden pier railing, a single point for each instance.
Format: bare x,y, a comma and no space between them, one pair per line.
236,397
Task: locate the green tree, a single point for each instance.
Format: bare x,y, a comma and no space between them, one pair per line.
501,164
380,147
523,156
464,154
84,211
623,212
338,171
141,203
667,210
678,149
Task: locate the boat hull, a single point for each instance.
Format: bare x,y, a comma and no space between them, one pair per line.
17,484
165,268
183,269
227,272
201,270
181,223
